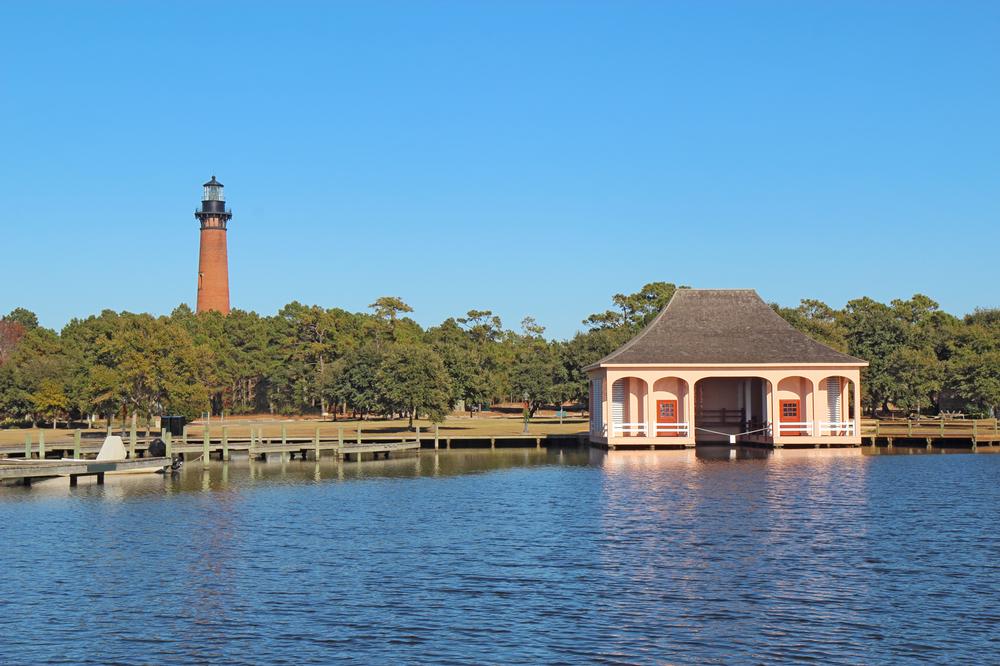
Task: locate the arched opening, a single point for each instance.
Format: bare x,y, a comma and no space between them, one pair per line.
725,406
628,407
669,407
836,412
794,407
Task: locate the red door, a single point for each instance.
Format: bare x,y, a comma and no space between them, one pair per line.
666,412
791,412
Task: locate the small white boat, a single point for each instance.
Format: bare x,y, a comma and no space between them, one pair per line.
113,450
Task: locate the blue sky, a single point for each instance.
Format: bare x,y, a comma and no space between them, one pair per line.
532,158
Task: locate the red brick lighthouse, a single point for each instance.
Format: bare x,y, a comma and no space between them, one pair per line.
213,261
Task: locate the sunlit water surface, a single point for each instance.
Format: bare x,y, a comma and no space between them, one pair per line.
470,557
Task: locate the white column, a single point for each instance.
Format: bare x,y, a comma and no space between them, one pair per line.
856,380
769,401
650,410
606,404
689,408
814,418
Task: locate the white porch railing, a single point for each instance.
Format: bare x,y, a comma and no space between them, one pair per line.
622,429
837,428
642,429
788,428
795,428
676,429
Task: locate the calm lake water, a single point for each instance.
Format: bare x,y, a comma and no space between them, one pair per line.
471,557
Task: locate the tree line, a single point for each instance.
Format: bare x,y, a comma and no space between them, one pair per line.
309,360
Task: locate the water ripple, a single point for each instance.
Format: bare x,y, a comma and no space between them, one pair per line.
514,557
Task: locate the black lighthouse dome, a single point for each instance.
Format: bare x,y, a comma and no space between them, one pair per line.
213,202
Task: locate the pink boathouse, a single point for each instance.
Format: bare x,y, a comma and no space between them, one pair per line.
719,365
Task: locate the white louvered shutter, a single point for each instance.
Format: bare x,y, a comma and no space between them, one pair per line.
833,397
618,402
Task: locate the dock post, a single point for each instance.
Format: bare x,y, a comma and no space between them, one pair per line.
168,442
929,445
131,439
418,437
538,443
436,435
76,444
184,436
205,456
41,445
27,446
225,443
340,438
316,444
284,435
359,434
493,443
447,443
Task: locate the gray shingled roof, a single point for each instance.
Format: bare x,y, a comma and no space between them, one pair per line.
722,326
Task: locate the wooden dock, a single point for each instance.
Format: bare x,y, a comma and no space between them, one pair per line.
26,471
224,442
931,432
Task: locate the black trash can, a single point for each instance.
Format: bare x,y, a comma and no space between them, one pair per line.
173,424
157,448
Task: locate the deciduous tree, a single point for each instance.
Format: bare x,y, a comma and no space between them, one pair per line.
414,381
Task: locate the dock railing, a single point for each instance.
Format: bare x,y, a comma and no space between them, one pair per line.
643,429
801,428
672,429
629,429
837,428
934,428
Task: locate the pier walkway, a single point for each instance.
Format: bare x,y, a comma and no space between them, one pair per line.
225,442
342,443
931,432
28,470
